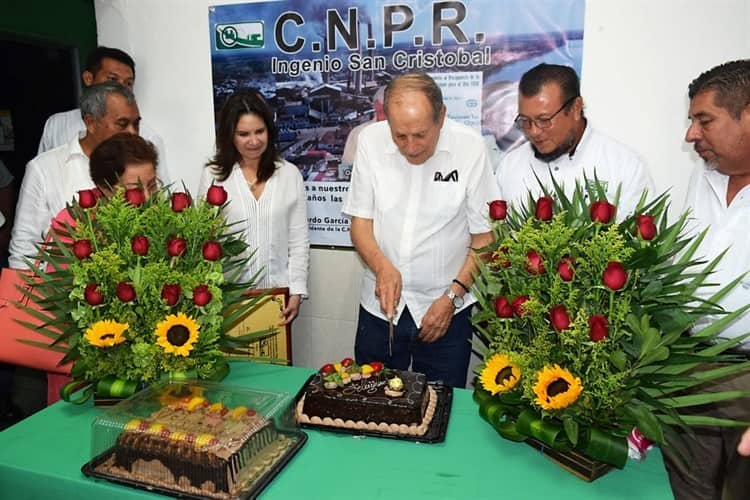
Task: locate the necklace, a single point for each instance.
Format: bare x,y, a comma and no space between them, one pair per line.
251,184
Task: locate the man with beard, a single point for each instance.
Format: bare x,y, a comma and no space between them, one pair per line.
719,197
563,146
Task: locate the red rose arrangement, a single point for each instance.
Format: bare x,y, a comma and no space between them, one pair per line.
141,290
583,318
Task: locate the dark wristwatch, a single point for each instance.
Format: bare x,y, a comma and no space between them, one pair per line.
456,300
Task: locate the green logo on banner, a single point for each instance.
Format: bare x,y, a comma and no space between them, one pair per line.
239,36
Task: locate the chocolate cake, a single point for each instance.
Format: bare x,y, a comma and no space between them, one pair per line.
365,403
197,447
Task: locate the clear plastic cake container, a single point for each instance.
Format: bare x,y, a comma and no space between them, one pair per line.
195,439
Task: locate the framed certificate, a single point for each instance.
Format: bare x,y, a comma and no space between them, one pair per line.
277,346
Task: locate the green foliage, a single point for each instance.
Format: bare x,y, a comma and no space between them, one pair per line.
636,374
110,227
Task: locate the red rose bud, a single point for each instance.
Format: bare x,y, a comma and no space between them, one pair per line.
377,366
92,295
518,303
346,362
180,201
171,294
544,208
82,249
201,295
602,211
558,316
327,369
598,327
645,226
176,247
211,250
498,210
503,308
216,195
139,245
614,276
87,198
97,193
125,292
534,263
135,197
565,269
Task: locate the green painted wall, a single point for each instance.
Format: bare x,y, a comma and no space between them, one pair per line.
67,23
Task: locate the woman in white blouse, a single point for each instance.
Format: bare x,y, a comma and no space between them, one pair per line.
267,199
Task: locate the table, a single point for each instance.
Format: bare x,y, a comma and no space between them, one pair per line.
41,458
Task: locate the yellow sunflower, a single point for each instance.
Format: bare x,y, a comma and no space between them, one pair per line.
177,333
556,388
499,374
106,333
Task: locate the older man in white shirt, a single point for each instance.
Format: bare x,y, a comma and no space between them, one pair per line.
563,145
418,198
103,64
53,178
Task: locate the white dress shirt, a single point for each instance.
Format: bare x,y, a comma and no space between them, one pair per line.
52,180
614,163
62,127
728,229
275,226
422,224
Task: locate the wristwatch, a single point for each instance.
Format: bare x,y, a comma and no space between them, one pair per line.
456,300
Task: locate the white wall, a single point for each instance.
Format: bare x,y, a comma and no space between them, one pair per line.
638,59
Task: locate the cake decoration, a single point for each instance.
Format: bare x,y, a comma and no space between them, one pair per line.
395,387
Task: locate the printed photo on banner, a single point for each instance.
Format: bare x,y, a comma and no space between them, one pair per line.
322,67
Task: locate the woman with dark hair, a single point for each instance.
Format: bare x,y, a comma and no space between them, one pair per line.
124,160
266,193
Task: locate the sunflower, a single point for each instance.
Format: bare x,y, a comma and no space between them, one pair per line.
499,374
556,388
106,333
177,333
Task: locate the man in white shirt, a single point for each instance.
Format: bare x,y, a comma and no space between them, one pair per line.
102,65
562,145
53,178
418,201
719,198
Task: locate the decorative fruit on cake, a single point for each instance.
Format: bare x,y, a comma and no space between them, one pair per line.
395,388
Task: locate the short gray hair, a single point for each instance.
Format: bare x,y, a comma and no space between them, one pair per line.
94,98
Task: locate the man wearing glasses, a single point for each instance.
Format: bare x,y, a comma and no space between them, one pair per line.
562,145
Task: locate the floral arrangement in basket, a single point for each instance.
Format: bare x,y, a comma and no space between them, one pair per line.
137,288
585,323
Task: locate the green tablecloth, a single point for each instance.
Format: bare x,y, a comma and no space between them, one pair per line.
41,458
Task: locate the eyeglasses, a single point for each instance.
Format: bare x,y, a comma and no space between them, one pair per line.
525,122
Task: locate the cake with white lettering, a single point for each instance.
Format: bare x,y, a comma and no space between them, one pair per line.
368,397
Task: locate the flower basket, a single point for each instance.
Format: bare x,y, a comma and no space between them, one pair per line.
585,328
140,289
